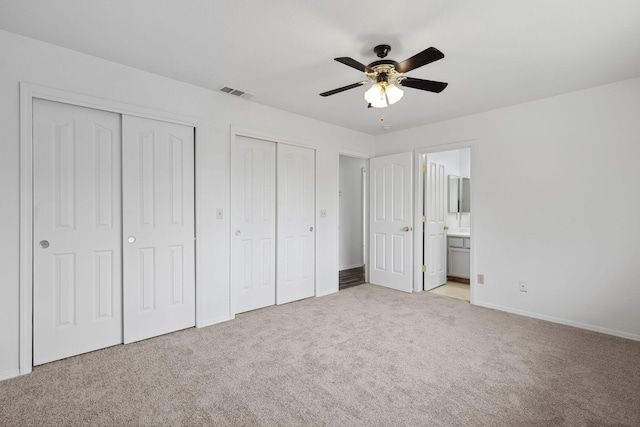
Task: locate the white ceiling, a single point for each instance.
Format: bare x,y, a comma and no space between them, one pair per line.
497,52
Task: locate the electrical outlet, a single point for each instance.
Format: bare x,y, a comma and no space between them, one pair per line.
219,214
523,286
323,213
480,279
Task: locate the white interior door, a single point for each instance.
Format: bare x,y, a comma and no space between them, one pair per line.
77,254
158,229
391,201
253,224
435,241
296,223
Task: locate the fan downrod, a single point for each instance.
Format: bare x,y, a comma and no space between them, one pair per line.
382,50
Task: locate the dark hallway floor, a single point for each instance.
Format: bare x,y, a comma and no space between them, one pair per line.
351,277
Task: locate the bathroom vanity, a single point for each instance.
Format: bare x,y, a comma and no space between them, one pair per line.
459,239
458,255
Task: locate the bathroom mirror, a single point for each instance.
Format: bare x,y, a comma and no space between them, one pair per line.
465,195
459,194
454,190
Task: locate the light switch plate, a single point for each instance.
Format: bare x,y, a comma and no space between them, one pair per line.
219,213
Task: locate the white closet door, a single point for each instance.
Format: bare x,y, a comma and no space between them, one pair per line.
391,204
158,227
253,224
296,223
76,228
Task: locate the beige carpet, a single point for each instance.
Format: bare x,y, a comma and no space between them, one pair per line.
361,357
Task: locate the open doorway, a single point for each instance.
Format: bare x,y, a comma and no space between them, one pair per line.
352,193
446,210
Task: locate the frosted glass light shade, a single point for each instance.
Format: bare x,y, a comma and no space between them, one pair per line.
375,96
394,93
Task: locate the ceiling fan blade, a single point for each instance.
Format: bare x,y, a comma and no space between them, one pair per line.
342,89
428,85
425,57
353,64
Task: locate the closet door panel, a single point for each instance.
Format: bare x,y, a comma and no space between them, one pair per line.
77,230
253,224
158,227
296,223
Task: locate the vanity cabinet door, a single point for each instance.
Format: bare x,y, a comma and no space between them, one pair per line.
458,259
459,263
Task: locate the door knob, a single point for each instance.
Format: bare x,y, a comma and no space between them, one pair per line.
310,228
406,229
44,244
131,239
238,232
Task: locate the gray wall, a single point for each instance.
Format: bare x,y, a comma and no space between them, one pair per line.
555,195
351,214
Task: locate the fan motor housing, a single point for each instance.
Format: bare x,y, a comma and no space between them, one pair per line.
386,63
382,50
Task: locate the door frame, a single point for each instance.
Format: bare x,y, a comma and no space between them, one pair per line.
420,156
365,211
251,133
28,92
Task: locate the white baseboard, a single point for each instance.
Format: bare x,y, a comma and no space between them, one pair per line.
5,375
214,321
329,292
553,319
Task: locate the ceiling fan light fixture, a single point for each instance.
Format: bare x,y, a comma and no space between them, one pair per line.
388,75
381,92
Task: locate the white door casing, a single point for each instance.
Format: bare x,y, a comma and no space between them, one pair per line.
158,230
365,223
77,252
391,222
253,224
296,223
435,241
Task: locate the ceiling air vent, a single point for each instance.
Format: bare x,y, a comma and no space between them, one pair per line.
235,92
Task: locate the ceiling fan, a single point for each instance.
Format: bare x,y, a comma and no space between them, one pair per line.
387,75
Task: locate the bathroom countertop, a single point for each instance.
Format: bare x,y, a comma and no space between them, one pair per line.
458,233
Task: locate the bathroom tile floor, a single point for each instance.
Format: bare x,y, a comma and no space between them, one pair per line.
453,290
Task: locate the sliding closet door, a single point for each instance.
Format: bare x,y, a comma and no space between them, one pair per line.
296,223
76,228
253,224
158,227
